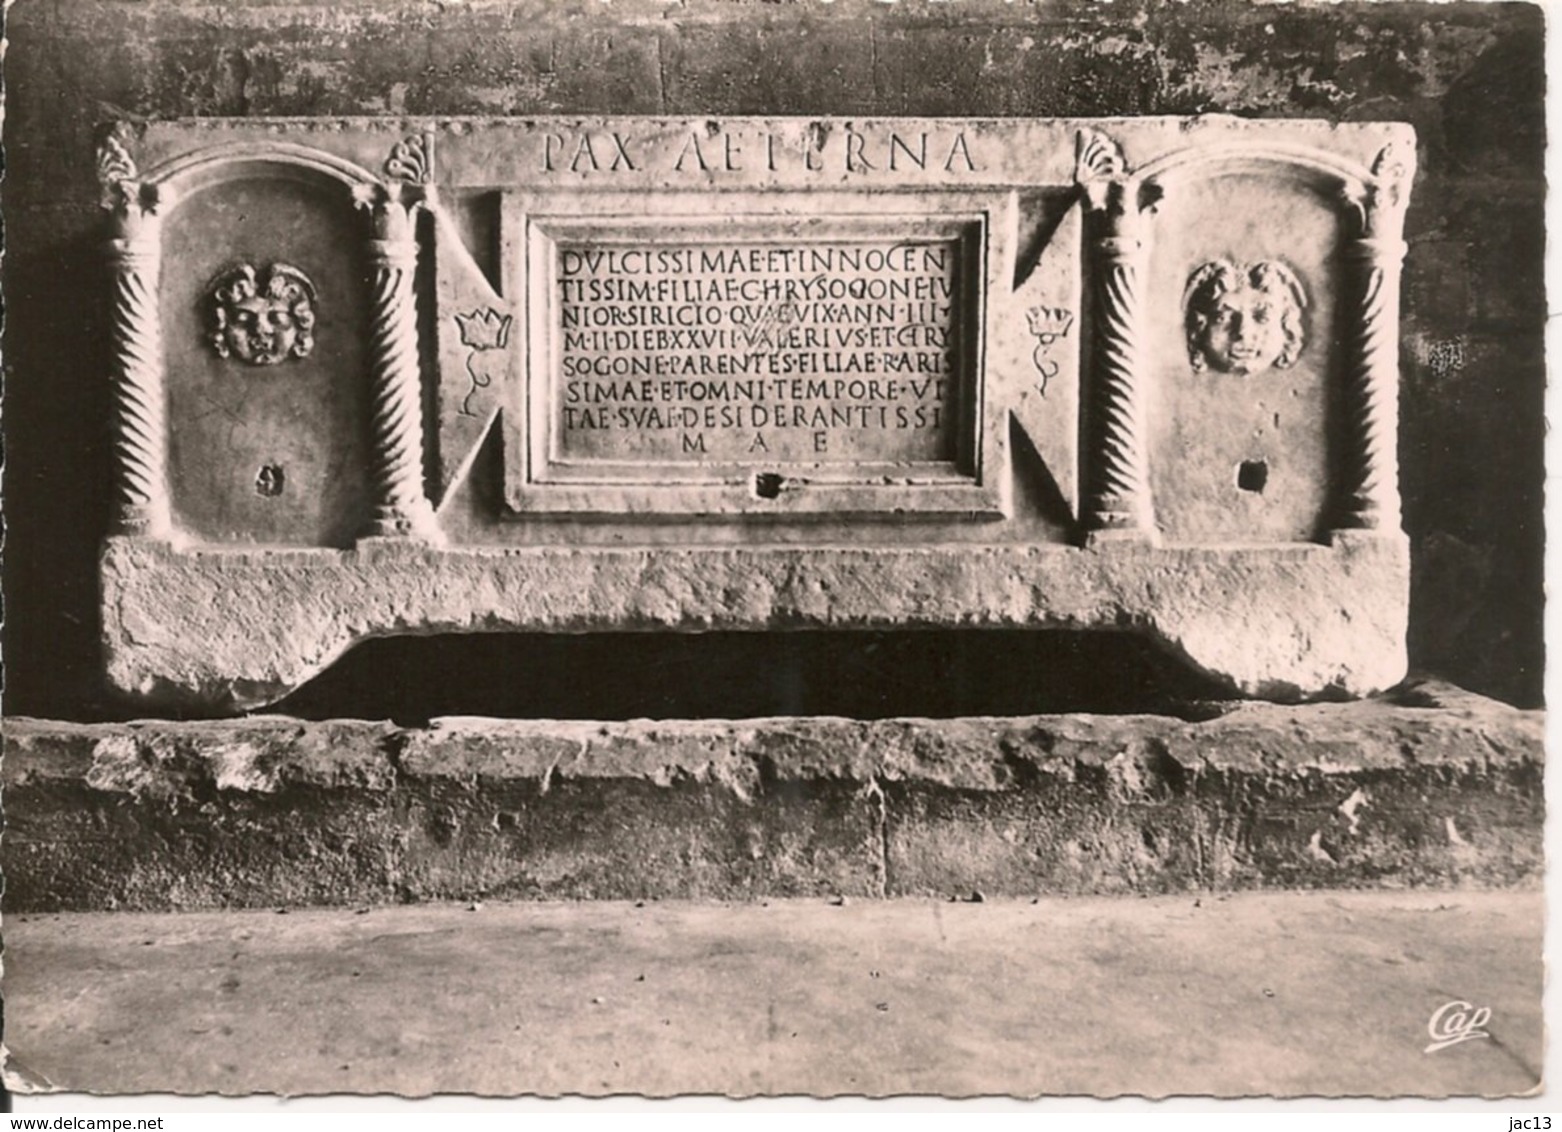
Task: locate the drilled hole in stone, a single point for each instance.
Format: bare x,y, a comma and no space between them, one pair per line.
269,480
767,485
1252,475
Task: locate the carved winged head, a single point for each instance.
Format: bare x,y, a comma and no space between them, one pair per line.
263,317
1244,318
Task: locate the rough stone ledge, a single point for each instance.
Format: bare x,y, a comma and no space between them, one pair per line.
230,630
1430,787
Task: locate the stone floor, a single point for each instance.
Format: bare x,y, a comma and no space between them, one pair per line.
1282,993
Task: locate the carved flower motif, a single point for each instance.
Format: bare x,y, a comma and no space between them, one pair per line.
484,330
1048,324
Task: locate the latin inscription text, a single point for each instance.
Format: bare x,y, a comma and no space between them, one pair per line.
758,352
714,150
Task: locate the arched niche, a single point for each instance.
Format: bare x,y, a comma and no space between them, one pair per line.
275,452
1241,392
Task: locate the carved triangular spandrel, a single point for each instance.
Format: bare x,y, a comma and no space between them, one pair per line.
478,340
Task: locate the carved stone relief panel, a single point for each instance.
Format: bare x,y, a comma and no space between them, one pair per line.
263,335
753,372
1247,332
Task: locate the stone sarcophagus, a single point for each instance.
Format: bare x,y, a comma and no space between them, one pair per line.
375,377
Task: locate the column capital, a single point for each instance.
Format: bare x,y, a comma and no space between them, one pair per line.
392,208
134,206
1379,202
1114,195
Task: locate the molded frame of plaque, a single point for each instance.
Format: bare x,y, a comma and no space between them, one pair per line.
969,485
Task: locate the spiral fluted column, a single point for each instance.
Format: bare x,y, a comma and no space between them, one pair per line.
1371,390
1372,264
1117,479
401,509
141,505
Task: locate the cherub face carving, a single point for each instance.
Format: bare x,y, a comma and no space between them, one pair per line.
1243,319
264,318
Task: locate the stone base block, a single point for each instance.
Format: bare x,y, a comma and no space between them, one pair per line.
230,630
1429,787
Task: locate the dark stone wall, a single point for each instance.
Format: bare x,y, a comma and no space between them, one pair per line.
1468,76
